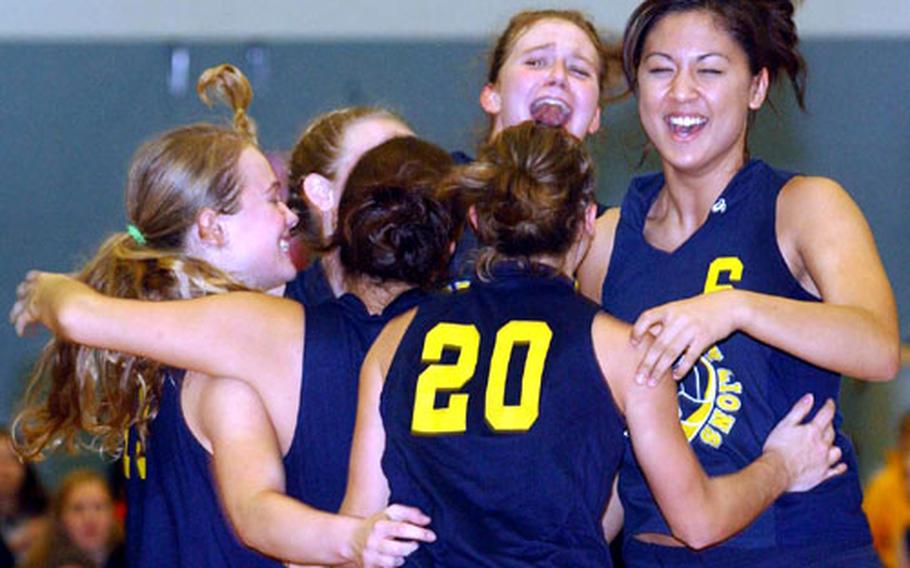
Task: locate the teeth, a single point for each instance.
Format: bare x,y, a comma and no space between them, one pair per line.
687,121
284,245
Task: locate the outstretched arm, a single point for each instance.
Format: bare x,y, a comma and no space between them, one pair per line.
250,477
829,248
247,335
699,509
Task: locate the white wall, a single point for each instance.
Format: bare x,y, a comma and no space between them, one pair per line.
368,19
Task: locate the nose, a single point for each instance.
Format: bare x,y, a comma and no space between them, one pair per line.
683,86
291,218
558,73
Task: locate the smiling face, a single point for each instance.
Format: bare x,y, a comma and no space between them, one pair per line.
257,236
549,75
87,516
695,93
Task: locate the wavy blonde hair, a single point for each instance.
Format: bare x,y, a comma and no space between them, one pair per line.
74,388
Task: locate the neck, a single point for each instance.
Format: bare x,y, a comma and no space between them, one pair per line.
375,295
689,195
334,272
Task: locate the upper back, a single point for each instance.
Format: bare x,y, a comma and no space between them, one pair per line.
499,425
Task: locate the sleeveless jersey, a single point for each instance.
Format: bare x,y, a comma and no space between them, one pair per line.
500,426
173,516
741,387
338,335
310,287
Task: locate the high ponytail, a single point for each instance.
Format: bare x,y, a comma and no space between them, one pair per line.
75,388
529,187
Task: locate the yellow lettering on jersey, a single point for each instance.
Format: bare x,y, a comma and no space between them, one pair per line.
729,402
427,419
726,382
126,453
722,421
710,436
714,355
127,460
729,265
140,460
517,418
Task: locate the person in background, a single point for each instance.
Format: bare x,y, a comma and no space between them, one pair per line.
887,502
83,531
23,503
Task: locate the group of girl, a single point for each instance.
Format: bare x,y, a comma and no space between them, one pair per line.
493,416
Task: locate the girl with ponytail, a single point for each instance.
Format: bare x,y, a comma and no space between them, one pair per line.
499,409
757,284
275,435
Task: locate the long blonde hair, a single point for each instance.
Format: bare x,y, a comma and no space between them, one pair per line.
172,177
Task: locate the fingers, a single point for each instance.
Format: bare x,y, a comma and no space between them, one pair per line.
408,514
660,356
396,536
799,410
644,323
825,415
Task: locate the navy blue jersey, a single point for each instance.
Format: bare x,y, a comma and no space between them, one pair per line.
741,387
173,514
310,287
500,426
338,335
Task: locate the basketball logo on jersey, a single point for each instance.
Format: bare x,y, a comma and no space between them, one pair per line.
709,399
709,396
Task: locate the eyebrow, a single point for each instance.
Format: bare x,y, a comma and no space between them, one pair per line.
701,57
551,45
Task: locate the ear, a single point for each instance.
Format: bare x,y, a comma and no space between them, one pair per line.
590,219
490,101
472,217
595,122
317,190
209,229
759,90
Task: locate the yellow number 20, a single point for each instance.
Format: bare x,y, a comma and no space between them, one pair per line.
501,417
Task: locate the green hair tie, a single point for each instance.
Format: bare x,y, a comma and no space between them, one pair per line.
137,235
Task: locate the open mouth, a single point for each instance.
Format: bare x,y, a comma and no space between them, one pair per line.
550,111
284,245
686,125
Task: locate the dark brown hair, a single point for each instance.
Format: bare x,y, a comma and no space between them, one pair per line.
529,187
390,225
764,29
74,388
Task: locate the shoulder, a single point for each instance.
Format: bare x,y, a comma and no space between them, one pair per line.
386,344
593,270
809,204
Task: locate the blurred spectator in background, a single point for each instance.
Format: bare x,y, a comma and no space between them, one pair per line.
887,503
83,531
23,503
